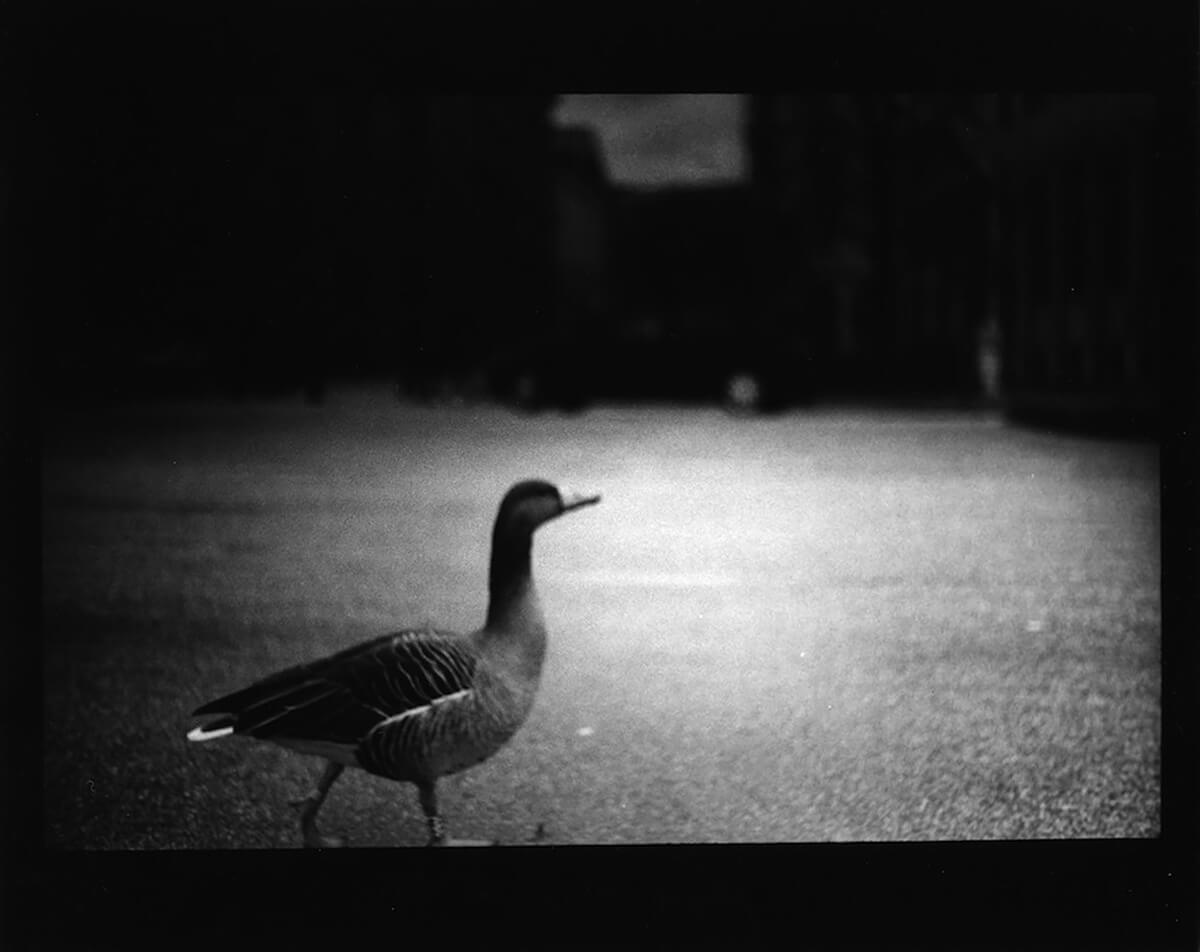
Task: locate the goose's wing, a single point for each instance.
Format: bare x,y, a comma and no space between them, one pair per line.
337,700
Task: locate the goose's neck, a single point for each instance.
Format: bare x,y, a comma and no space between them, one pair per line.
512,600
515,631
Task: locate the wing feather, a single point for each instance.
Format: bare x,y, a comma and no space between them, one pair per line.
339,699
285,681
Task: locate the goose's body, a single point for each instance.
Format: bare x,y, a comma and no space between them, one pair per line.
418,704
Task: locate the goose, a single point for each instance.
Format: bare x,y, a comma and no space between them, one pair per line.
417,704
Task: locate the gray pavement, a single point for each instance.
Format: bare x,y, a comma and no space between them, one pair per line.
822,625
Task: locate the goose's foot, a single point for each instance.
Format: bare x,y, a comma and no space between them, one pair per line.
448,842
308,807
315,839
438,837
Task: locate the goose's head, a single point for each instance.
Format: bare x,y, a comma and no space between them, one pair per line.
534,501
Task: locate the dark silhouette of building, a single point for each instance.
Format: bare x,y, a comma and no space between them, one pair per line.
815,225
485,240
223,208
215,211
690,321
1074,285
976,248
655,295
551,363
871,229
584,228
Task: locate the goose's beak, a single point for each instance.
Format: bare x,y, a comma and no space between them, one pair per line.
572,500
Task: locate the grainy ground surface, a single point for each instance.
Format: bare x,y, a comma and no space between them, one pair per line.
826,625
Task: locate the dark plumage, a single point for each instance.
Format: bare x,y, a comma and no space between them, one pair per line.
418,704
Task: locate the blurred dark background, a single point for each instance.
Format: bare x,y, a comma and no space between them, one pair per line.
228,211
210,204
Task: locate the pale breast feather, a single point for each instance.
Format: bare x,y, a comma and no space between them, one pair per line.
425,708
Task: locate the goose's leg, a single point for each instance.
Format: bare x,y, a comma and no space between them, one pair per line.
312,803
437,828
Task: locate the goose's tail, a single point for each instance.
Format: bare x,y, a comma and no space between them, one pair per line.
218,728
